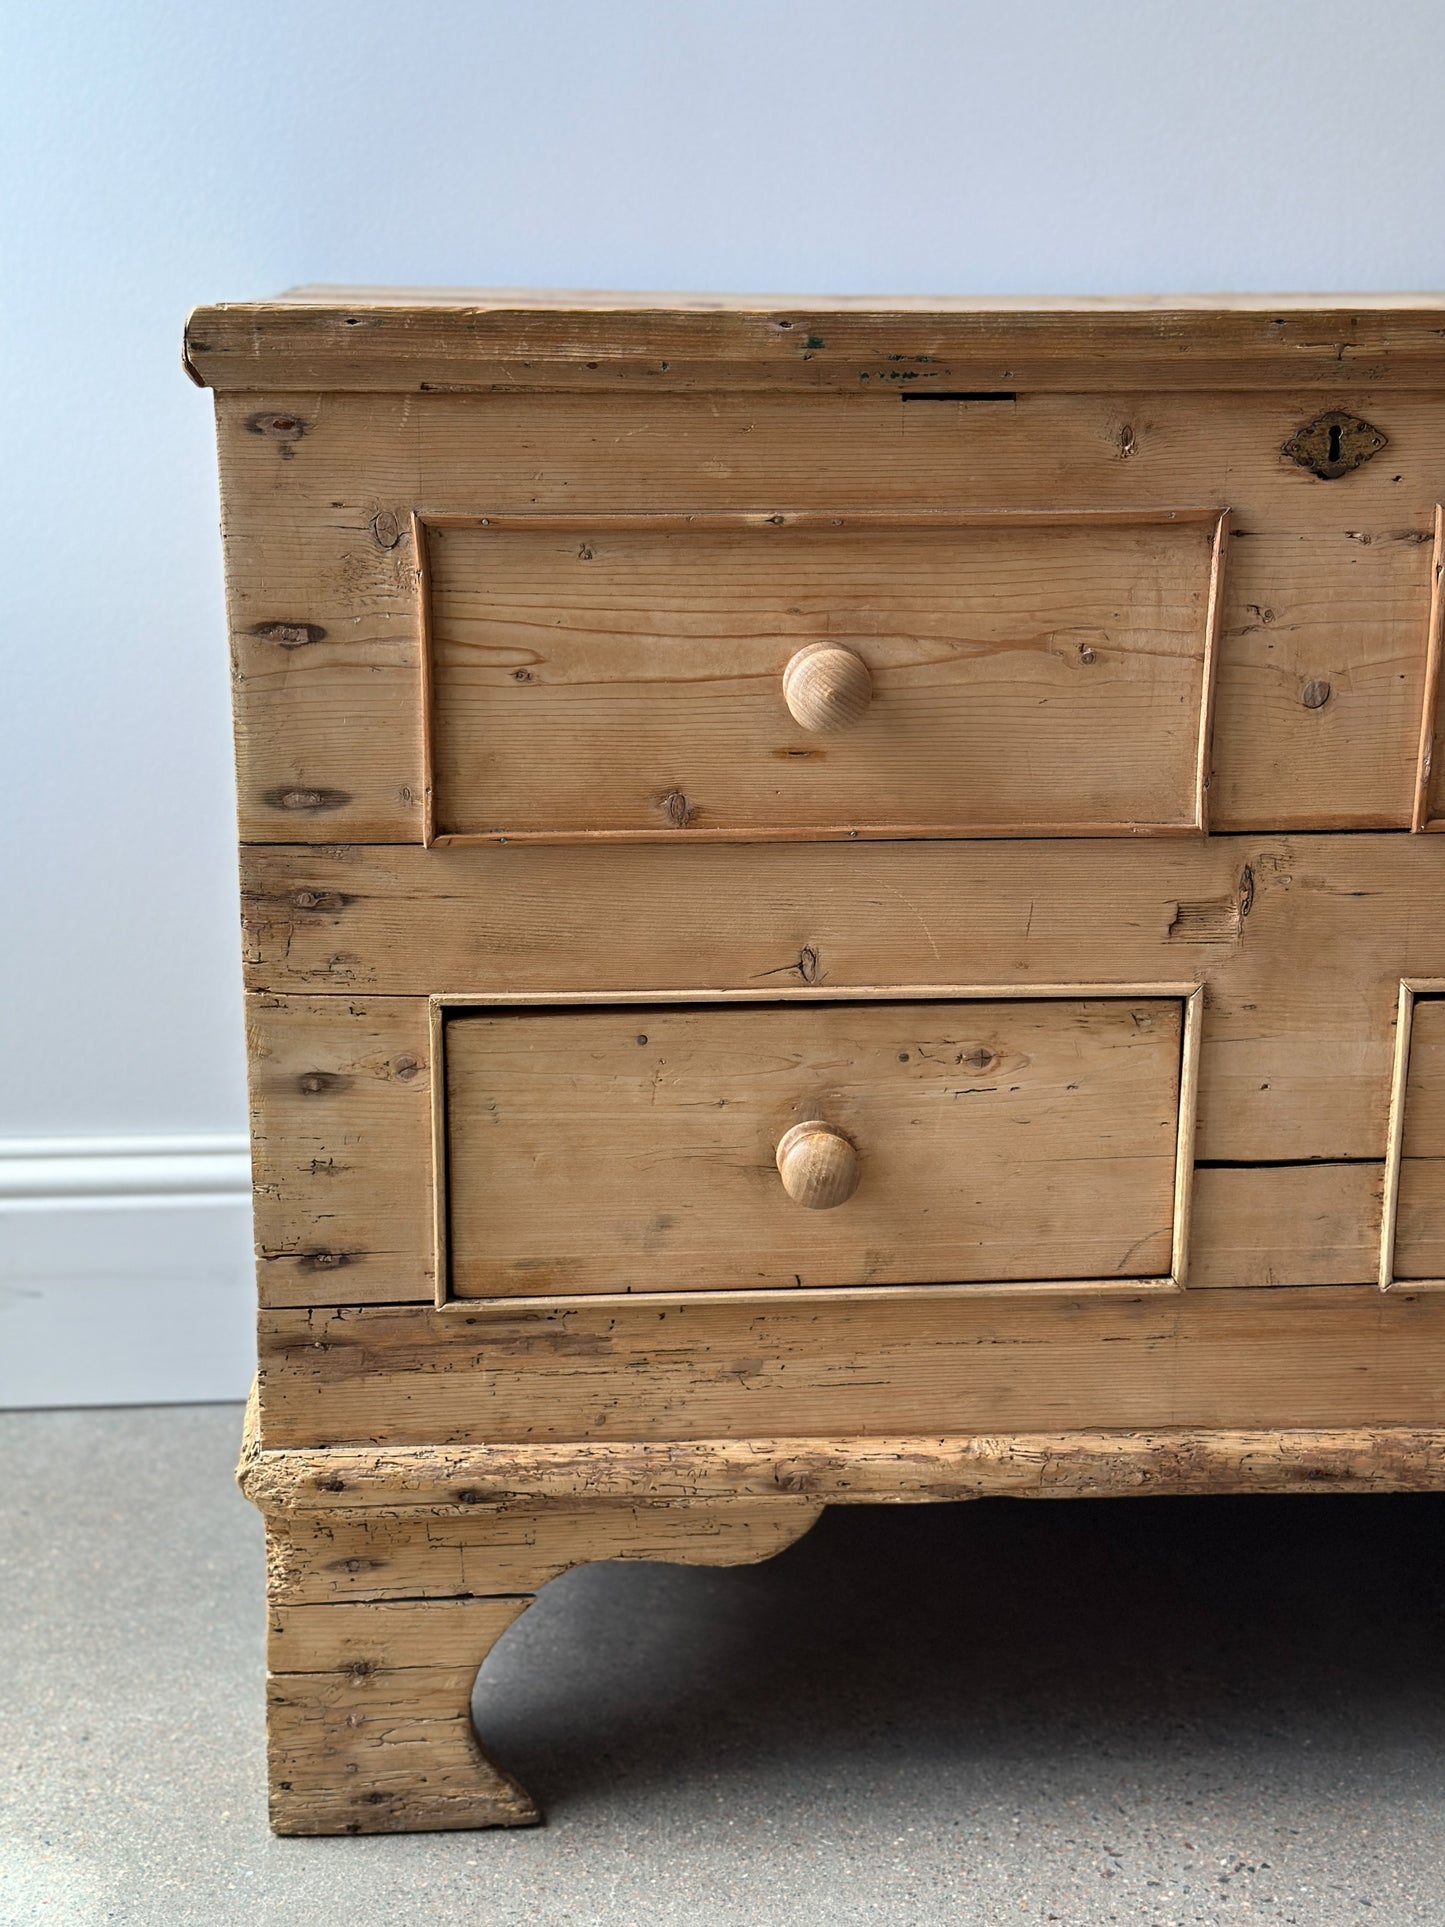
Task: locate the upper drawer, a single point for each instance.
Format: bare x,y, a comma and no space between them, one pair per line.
814,1144
890,674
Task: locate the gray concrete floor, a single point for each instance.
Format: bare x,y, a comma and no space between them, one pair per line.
1160,1711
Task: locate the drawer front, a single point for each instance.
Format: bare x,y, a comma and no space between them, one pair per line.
636,1149
1323,620
861,675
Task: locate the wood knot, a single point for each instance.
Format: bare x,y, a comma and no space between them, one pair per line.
285,430
321,1083
308,801
385,529
404,1069
677,809
288,635
1315,694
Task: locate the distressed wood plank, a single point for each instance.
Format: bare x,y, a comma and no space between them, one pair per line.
345,1486
520,339
1324,1357
504,1554
386,1751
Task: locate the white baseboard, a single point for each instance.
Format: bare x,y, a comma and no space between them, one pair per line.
126,1271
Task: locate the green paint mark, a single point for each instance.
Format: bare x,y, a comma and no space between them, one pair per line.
815,341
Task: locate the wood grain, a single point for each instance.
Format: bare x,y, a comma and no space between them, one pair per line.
958,1364
633,1149
346,1486
520,340
627,674
341,1150
506,1553
1285,1224
386,1745
1327,588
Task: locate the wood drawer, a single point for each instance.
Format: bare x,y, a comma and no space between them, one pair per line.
926,674
1324,620
636,1148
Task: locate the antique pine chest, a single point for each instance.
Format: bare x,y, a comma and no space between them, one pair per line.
840,905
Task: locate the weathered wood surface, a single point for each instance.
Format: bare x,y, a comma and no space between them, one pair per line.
347,1485
368,1719
343,1209
368,1696
1285,1224
626,675
520,339
376,1632
1324,618
608,1149
504,1553
918,1362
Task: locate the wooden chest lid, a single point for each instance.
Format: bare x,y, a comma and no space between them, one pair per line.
442,340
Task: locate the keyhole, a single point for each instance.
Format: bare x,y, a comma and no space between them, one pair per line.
1334,441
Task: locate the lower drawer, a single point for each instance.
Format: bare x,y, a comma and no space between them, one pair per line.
666,1148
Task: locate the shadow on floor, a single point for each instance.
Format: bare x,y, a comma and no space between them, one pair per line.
997,1632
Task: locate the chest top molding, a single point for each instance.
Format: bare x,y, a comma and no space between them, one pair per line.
955,348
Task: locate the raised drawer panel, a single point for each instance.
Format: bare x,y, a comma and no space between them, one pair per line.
633,1149
634,675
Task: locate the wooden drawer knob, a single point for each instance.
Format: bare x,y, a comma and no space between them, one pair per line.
818,1165
827,687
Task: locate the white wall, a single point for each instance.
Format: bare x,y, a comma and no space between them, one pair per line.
157,154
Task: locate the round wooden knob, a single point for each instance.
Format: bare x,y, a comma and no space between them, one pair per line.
826,687
818,1165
